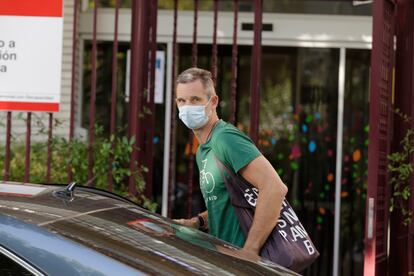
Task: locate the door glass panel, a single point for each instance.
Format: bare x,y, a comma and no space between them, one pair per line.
354,161
298,124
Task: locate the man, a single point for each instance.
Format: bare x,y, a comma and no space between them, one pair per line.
197,102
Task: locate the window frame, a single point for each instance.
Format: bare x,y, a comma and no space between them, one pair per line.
20,261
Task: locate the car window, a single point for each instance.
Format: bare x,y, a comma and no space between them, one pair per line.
12,265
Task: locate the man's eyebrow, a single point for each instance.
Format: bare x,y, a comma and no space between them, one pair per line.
195,98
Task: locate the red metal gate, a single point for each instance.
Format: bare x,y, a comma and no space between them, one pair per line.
380,125
143,41
401,236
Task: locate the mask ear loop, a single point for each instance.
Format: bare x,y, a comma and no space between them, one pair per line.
211,111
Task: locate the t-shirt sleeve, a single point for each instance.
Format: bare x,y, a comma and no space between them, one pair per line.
235,149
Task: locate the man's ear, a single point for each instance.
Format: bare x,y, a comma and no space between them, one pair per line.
214,100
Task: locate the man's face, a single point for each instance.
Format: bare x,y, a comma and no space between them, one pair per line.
191,93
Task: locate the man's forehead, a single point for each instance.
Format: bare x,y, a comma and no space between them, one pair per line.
196,84
191,89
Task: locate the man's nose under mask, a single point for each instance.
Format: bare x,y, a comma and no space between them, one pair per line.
194,116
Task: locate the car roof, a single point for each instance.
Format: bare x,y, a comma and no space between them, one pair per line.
95,226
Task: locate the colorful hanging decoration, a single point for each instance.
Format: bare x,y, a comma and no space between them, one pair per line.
304,128
295,151
320,129
296,117
319,220
330,177
346,158
312,146
309,119
294,166
356,155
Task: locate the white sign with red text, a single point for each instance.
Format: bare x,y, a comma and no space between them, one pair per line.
30,55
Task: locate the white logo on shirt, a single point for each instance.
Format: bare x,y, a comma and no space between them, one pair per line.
207,182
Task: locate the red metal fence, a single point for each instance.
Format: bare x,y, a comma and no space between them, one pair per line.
142,79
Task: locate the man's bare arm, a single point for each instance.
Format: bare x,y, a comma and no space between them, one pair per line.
272,191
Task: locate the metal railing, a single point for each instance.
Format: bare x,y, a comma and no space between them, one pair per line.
142,78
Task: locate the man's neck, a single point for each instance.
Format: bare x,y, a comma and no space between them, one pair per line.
204,133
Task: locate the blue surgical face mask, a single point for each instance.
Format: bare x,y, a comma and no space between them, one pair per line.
193,116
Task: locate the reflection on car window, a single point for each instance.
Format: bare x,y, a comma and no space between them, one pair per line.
11,268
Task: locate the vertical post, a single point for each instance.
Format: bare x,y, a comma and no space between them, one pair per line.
73,83
151,104
214,46
138,37
169,105
27,156
173,129
234,65
7,149
256,71
142,132
194,48
190,134
49,149
338,173
93,96
113,93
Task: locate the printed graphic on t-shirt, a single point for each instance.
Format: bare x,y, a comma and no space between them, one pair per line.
206,179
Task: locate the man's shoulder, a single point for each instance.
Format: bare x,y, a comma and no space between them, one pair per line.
228,134
226,129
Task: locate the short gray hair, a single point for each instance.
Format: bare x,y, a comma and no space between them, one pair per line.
193,74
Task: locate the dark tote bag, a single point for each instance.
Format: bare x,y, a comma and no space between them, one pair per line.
288,244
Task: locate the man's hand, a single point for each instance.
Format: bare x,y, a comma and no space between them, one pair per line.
241,253
192,222
195,221
247,255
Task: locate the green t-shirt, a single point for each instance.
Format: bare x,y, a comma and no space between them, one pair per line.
235,150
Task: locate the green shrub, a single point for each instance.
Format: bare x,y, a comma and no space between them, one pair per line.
73,155
401,170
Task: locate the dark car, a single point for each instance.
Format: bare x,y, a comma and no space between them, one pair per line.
75,230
